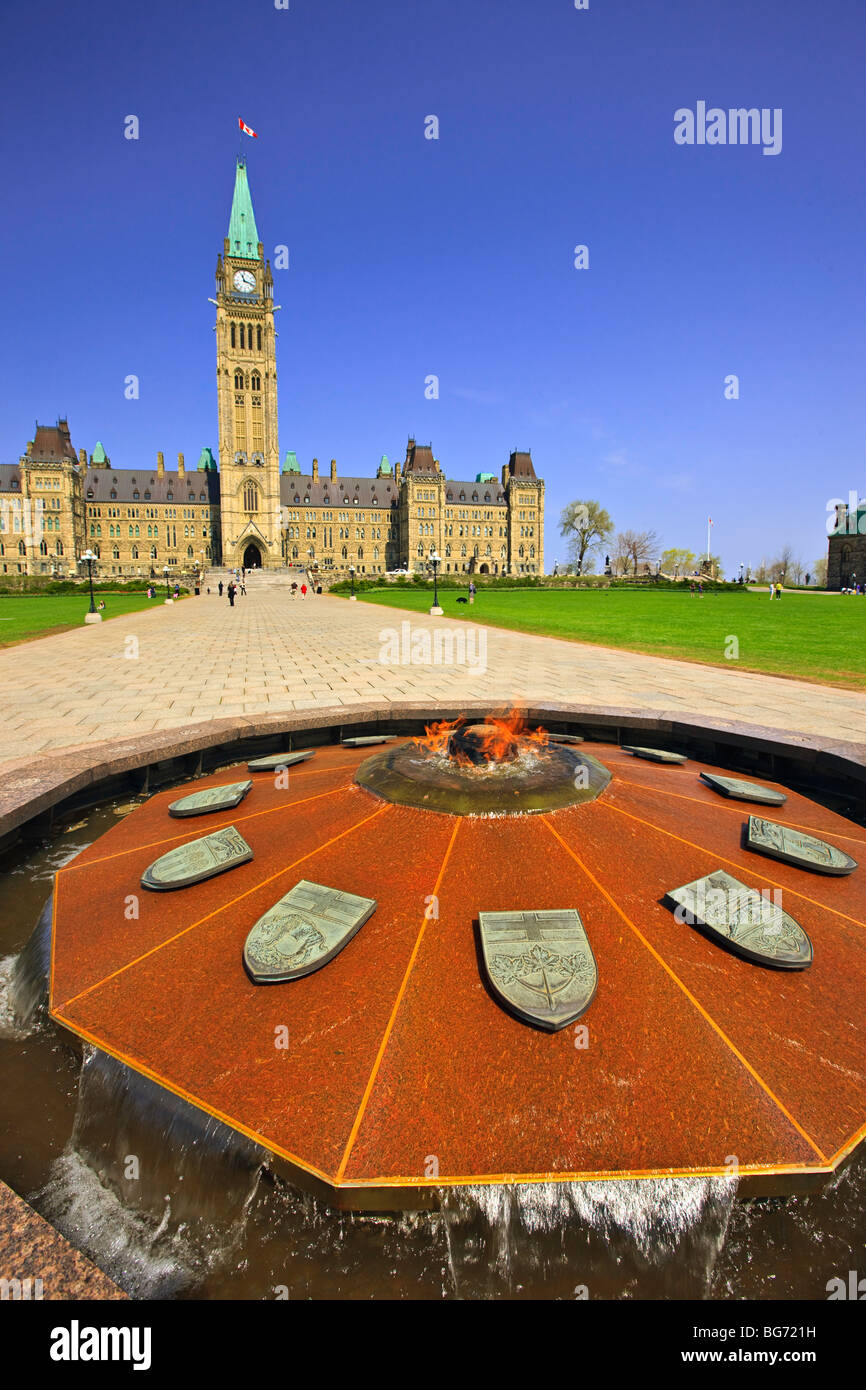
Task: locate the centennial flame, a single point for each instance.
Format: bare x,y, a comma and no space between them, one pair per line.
497,739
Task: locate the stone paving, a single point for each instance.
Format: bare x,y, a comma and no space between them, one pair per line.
199,659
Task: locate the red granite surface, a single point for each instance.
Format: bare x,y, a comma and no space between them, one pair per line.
401,1068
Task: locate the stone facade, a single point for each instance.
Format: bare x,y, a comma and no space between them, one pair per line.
846,551
55,505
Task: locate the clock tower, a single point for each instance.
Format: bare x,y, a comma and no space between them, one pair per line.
249,455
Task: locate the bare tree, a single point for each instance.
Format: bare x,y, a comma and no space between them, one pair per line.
636,548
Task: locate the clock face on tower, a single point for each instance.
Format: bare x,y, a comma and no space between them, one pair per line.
244,281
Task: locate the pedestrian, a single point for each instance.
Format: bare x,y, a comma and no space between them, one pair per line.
472,591
779,590
772,591
220,588
303,591
231,593
243,584
700,588
691,588
294,589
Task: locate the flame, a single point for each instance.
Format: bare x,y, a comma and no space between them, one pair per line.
500,737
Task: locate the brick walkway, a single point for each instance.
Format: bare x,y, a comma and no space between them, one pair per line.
196,660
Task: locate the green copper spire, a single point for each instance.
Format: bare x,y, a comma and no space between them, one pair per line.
206,461
243,236
98,453
291,464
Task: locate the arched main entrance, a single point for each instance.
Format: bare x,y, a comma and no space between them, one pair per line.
252,557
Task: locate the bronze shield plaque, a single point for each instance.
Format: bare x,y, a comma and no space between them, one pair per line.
654,755
738,790
742,920
367,739
540,964
303,931
795,847
275,760
198,860
223,798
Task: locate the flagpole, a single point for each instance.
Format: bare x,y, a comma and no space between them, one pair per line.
709,524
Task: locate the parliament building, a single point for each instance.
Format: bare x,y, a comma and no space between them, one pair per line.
244,510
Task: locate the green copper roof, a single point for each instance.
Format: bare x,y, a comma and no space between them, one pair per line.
206,461
98,455
384,465
485,477
291,464
243,236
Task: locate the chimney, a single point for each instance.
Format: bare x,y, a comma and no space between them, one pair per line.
160,465
82,457
181,468
333,470
315,470
397,470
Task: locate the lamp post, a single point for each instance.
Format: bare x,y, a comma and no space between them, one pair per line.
165,572
435,562
92,616
352,577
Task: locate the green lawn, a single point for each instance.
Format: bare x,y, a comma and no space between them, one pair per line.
816,637
36,615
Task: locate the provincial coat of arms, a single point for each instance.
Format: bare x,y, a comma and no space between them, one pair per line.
742,920
302,932
223,798
540,964
795,847
198,860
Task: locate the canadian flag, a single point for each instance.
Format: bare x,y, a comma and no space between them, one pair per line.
246,130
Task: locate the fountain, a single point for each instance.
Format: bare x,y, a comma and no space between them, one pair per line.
395,1079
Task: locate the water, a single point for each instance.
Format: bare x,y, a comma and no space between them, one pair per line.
172,1204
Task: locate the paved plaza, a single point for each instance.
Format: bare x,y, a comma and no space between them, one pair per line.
177,665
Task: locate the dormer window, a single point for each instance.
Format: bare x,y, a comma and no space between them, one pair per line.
113,494
170,496
147,495
135,496
89,492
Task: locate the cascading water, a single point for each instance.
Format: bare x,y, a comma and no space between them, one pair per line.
152,1189
24,981
587,1240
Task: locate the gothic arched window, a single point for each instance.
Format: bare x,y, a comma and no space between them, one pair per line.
259,339
256,382
233,335
250,497
239,381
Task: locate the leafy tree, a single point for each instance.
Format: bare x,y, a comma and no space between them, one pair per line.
677,562
819,572
586,526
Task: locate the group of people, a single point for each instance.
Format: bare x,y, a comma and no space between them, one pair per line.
776,589
237,584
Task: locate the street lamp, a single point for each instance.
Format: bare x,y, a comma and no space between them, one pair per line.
435,562
352,577
165,572
92,616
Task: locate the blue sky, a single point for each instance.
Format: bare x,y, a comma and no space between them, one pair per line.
411,257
